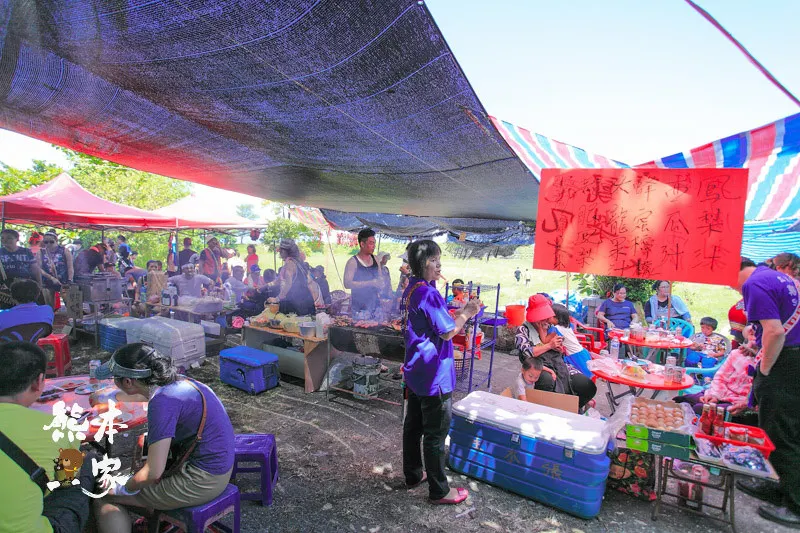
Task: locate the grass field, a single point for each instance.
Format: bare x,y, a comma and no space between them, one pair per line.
703,300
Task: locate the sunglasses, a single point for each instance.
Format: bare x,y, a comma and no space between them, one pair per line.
48,242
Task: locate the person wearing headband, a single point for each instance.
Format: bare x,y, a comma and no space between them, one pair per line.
189,283
175,414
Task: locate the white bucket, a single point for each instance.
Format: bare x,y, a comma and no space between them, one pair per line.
365,377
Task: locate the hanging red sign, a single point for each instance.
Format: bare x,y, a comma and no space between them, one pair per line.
653,223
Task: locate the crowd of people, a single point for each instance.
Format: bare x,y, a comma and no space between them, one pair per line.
297,286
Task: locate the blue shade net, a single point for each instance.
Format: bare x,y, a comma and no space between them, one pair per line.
357,106
475,237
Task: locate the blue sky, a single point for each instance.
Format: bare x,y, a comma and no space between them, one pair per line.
629,79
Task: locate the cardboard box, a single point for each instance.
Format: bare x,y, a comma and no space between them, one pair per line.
565,402
658,448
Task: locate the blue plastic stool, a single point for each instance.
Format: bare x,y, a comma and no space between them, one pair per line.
257,448
196,519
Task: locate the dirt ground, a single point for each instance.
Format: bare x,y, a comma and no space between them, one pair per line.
340,470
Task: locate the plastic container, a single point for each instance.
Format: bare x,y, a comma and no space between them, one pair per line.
614,348
307,329
183,341
515,314
552,456
249,369
757,433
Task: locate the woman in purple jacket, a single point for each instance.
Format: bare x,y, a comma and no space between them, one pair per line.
429,372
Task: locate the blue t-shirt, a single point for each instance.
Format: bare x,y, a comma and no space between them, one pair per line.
124,250
429,368
175,412
769,294
620,313
30,313
17,264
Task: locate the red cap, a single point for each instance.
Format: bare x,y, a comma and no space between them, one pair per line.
738,319
539,308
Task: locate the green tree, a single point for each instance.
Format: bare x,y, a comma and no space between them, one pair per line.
639,290
283,228
15,180
128,187
247,211
125,185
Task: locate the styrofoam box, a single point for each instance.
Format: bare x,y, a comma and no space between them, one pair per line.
552,456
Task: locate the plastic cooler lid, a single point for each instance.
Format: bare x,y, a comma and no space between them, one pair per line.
581,433
121,322
160,326
248,356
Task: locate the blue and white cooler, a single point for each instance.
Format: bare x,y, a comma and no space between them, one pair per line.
249,369
549,455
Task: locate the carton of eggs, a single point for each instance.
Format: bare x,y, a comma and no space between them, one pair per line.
656,416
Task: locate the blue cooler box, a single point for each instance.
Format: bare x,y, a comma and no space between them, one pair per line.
248,369
551,456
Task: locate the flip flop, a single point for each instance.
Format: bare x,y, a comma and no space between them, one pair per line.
463,494
418,483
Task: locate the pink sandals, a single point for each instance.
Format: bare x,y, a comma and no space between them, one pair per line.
463,494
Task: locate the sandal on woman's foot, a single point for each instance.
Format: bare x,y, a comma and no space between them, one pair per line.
418,483
462,494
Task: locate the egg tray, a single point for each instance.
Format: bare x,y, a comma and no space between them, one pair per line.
653,431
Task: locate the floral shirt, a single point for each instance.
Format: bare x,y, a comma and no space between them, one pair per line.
713,343
731,382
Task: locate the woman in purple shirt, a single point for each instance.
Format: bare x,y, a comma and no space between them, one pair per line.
174,415
429,372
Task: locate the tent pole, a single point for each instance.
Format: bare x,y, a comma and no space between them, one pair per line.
567,291
379,241
3,218
669,305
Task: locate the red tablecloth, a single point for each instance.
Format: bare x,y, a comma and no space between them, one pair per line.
650,381
136,409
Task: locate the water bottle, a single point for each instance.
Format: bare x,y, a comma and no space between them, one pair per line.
614,348
143,293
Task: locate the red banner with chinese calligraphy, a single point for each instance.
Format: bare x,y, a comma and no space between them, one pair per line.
652,223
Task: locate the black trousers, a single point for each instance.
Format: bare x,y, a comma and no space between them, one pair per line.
67,508
427,420
581,386
778,399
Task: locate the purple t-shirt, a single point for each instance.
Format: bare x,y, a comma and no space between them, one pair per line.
771,294
175,411
429,368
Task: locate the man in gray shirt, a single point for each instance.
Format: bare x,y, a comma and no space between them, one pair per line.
189,283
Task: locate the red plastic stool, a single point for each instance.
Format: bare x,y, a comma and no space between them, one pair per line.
62,360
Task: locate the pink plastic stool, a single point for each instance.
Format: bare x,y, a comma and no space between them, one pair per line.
62,360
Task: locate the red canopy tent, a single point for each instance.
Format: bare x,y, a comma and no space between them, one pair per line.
62,202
